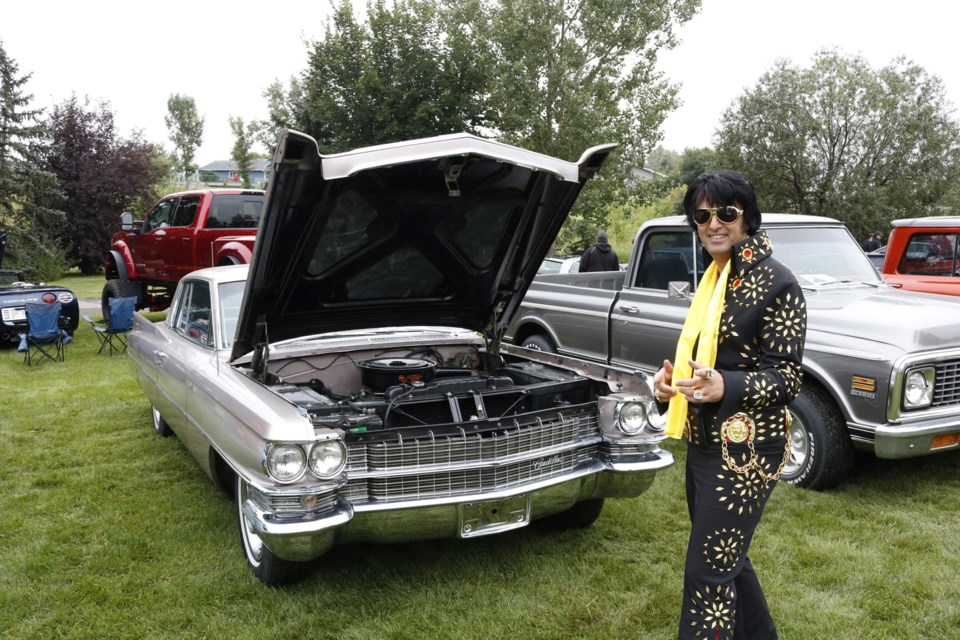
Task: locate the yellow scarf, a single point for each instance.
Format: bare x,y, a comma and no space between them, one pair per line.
703,320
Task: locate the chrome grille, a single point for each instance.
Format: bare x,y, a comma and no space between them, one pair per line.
467,462
466,481
464,448
946,390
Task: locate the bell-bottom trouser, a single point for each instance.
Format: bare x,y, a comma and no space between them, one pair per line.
722,597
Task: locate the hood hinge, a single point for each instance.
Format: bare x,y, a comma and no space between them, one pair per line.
261,351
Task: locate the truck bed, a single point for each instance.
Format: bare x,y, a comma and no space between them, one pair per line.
575,307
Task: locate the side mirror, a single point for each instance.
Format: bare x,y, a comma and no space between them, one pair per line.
126,221
679,289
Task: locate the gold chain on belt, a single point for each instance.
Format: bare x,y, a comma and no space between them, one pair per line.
754,461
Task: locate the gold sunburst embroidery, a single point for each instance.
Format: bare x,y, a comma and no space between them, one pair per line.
712,610
723,549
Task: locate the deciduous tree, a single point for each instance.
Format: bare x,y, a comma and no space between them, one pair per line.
242,152
569,74
401,74
186,131
843,139
101,174
556,76
283,111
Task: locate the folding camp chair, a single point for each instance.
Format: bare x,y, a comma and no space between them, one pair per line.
112,331
44,337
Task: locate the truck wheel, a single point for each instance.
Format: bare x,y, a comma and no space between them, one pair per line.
539,342
580,516
116,289
821,453
271,570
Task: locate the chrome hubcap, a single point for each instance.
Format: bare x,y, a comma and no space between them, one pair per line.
799,447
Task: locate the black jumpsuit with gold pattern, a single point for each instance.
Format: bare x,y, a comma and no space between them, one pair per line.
737,446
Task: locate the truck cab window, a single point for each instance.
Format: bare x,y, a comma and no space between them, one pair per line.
160,216
186,212
665,258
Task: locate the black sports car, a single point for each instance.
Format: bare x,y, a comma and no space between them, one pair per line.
15,293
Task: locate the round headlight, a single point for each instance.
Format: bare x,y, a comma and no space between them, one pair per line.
632,417
655,420
918,389
286,462
327,458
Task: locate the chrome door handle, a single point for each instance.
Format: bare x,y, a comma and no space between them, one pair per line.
158,357
626,308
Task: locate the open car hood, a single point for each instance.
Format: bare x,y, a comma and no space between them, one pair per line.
441,231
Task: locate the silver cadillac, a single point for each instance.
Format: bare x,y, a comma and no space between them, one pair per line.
350,384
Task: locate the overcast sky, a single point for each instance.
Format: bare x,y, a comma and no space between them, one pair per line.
135,55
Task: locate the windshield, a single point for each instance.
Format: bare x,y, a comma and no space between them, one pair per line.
231,294
550,265
819,256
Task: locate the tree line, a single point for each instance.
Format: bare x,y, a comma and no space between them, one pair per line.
839,137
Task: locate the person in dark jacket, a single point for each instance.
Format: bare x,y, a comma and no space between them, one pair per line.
872,243
600,257
736,369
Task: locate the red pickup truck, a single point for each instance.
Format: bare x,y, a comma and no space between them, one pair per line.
183,232
923,254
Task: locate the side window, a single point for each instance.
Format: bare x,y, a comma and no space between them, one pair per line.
666,257
160,216
186,212
930,254
236,212
193,320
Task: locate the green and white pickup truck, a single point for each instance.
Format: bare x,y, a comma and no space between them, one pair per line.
881,365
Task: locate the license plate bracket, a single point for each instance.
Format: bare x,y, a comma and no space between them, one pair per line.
493,516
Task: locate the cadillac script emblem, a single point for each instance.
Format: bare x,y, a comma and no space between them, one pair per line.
737,428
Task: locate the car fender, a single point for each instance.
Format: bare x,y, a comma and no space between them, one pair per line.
119,263
234,252
528,325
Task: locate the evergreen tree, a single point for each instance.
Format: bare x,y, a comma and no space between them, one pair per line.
29,196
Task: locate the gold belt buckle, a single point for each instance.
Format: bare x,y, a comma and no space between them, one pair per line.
737,428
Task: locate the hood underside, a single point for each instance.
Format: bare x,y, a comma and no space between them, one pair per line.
443,231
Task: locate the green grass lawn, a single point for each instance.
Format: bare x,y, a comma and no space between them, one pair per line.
85,287
108,531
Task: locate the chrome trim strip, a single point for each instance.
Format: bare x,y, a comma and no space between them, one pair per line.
587,470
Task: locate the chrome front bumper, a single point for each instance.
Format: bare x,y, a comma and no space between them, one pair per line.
307,535
912,440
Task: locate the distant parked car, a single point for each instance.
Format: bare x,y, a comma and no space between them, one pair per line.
923,254
560,265
15,293
877,255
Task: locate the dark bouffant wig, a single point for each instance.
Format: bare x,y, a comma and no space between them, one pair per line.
722,188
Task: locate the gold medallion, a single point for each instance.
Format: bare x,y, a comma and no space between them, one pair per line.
737,428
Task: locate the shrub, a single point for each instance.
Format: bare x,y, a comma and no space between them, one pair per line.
38,255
